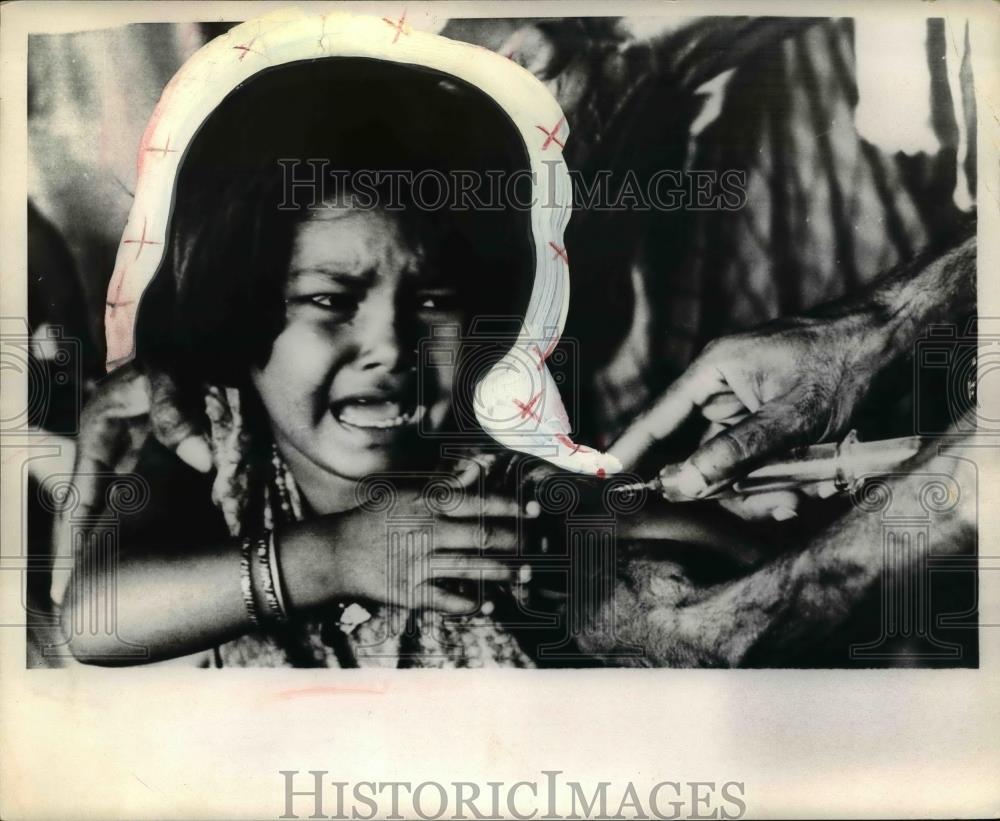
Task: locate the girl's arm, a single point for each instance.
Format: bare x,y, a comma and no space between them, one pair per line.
802,597
176,584
177,591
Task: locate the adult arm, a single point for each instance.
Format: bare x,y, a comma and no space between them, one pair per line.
797,381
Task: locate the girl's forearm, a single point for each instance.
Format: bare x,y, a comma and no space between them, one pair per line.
158,604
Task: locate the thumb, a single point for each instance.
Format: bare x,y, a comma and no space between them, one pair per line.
736,450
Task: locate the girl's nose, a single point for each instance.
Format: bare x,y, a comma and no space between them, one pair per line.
380,346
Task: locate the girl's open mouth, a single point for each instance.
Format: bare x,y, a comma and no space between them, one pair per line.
370,413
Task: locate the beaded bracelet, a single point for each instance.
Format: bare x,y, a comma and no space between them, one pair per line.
246,581
264,551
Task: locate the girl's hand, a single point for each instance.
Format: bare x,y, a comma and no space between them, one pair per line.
397,558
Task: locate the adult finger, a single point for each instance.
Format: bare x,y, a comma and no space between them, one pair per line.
667,414
101,445
174,426
779,505
120,399
533,49
90,479
821,490
730,454
724,408
123,394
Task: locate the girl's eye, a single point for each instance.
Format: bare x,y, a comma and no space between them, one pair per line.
328,300
338,302
437,300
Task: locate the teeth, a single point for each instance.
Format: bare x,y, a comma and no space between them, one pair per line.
366,415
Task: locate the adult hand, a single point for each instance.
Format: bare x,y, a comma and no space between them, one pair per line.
788,383
797,381
125,408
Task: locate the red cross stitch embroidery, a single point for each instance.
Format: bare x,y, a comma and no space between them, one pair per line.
166,149
526,409
398,25
550,136
142,241
322,34
115,285
246,48
543,355
573,446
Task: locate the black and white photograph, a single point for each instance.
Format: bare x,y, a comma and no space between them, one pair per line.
380,337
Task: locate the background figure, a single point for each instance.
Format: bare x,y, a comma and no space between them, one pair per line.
826,210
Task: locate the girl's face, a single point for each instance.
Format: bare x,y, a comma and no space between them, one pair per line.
341,386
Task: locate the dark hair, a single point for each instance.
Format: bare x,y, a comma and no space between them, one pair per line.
215,306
